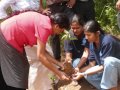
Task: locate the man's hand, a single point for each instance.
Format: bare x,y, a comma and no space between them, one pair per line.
63,76
69,60
46,11
78,76
76,69
71,3
61,65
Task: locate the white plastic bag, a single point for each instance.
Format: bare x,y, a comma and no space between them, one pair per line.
38,74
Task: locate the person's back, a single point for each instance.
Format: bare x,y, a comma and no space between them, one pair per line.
28,24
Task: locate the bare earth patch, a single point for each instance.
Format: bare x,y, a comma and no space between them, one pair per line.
82,85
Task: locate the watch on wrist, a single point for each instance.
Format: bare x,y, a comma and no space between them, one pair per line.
85,74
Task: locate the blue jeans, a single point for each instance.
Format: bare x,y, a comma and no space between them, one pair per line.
75,62
110,76
95,79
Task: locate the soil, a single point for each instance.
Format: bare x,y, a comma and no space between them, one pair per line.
82,85
68,85
71,85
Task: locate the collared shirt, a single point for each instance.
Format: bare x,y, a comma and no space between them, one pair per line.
109,46
24,29
75,46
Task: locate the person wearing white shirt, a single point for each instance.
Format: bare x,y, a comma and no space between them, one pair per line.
17,5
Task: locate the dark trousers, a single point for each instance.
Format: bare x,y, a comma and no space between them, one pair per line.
55,40
61,8
55,44
3,85
85,9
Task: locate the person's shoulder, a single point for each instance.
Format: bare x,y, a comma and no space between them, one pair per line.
108,39
36,15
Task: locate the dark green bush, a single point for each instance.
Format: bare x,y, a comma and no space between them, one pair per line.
106,14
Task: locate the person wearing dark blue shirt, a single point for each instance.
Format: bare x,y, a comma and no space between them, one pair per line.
105,49
76,47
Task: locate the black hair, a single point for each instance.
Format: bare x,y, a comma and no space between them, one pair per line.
61,19
78,19
93,26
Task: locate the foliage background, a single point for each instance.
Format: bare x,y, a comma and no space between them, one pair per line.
106,14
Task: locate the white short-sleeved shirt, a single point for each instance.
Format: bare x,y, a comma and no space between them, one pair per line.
21,5
17,5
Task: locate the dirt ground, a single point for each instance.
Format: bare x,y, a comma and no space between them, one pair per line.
68,85
83,85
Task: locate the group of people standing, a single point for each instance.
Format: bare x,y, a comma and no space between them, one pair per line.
93,54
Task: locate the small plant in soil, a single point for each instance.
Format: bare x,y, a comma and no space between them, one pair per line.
53,78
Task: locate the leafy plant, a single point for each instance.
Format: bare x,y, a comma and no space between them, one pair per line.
52,77
106,15
66,36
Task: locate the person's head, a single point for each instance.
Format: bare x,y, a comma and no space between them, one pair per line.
92,30
60,22
76,24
